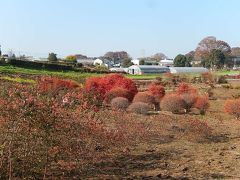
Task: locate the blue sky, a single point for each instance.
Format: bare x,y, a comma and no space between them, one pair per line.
92,27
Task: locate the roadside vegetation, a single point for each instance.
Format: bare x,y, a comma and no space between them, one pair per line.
59,128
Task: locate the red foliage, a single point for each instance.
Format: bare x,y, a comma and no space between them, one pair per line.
173,103
157,91
232,107
184,88
102,85
57,134
53,84
202,103
117,92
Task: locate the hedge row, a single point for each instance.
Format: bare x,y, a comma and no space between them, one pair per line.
53,66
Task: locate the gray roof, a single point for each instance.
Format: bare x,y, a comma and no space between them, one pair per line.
188,69
150,68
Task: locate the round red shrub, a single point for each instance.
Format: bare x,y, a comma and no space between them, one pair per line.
173,103
53,84
158,91
232,107
139,108
189,99
102,85
184,88
117,92
144,97
120,103
202,103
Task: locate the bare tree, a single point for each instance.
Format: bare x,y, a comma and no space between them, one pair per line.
209,43
159,56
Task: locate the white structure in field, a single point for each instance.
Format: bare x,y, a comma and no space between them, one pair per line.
101,62
150,69
166,63
177,70
135,61
117,69
147,69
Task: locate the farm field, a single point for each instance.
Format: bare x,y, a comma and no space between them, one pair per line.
81,77
58,139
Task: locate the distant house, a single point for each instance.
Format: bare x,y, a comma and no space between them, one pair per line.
102,62
178,70
147,69
135,61
146,61
166,63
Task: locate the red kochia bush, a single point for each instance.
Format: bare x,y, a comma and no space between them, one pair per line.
120,103
173,103
117,92
184,88
202,103
102,85
158,91
139,108
189,99
232,107
53,84
145,97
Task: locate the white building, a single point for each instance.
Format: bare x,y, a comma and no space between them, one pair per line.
118,69
166,63
101,62
135,61
177,70
147,69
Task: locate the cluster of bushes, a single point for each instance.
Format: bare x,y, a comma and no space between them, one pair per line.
121,94
184,99
55,129
110,86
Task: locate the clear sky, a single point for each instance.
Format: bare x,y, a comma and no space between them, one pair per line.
92,27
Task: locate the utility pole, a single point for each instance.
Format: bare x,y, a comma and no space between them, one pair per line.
0,50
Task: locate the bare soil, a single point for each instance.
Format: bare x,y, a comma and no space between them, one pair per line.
175,154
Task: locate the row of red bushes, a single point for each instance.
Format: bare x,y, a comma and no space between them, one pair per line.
114,86
104,89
